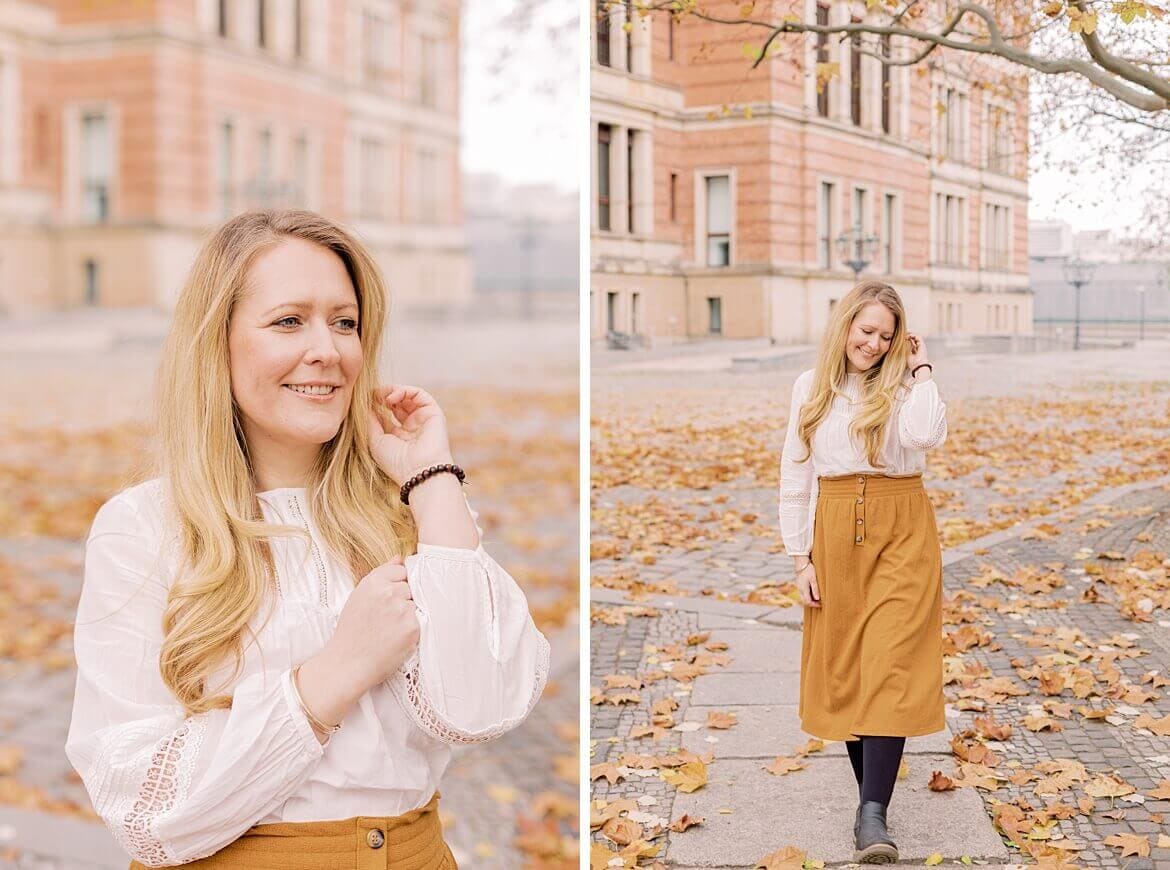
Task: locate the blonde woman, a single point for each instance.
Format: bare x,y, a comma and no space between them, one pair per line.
861,532
280,637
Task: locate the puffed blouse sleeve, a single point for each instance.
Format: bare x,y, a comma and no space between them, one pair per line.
481,664
798,479
171,788
922,417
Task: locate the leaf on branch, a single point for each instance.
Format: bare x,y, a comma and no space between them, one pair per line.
1128,10
1081,22
1053,9
826,72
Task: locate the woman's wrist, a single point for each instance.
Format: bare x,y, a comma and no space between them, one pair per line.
922,373
800,563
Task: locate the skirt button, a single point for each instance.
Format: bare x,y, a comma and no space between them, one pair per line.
375,838
861,480
858,539
860,521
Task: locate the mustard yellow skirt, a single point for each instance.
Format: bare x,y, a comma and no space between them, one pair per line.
871,657
411,841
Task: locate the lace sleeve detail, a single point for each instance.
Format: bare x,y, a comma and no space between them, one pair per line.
164,785
801,497
411,692
931,441
481,664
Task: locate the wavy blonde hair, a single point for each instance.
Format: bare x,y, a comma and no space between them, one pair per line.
203,457
880,384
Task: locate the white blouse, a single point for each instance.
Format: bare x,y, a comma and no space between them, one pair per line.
174,788
919,423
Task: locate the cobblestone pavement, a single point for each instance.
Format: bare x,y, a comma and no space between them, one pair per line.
531,526
728,579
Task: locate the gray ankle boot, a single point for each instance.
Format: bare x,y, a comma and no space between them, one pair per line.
874,845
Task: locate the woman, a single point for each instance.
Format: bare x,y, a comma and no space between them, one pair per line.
862,535
281,636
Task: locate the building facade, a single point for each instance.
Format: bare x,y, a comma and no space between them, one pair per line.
719,192
130,129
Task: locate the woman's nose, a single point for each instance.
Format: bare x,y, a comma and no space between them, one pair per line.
324,346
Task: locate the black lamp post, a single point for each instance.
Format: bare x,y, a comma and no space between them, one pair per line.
1078,273
856,249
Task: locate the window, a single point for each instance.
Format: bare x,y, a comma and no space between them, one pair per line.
952,127
604,136
300,181
370,190
630,181
996,224
264,186
429,72
714,315
825,225
885,52
221,18
371,50
949,229
861,220
718,220
889,212
298,28
92,291
227,168
822,58
428,162
998,139
670,36
261,23
674,197
636,313
610,311
855,77
95,167
602,34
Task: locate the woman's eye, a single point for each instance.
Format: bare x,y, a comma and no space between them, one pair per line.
282,320
348,320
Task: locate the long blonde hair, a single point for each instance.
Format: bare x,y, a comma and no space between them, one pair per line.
203,457
880,384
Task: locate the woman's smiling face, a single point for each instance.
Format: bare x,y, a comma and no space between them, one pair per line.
869,337
294,347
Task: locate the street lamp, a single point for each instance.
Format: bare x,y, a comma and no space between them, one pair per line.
856,250
1078,273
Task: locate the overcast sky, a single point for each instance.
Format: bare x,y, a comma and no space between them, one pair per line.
521,109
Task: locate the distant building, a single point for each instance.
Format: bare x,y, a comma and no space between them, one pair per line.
128,130
522,238
719,192
1129,284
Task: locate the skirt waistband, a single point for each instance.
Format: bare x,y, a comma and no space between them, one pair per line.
853,485
410,841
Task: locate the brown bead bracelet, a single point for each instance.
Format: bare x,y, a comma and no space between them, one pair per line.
451,467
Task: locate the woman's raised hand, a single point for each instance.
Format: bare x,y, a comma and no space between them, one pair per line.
417,435
917,347
806,584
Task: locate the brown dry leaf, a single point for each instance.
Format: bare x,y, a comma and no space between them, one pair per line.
622,831
1108,785
720,719
782,765
609,770
940,782
688,777
782,859
1130,844
685,821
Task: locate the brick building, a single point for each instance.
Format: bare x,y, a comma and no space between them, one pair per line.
718,192
129,128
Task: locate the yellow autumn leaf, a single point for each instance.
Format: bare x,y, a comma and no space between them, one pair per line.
935,858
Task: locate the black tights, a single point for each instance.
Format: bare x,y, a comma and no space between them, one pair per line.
875,761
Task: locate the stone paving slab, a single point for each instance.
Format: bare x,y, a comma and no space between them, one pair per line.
724,689
765,731
761,650
694,604
763,817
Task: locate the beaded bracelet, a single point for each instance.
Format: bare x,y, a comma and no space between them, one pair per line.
920,366
451,467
